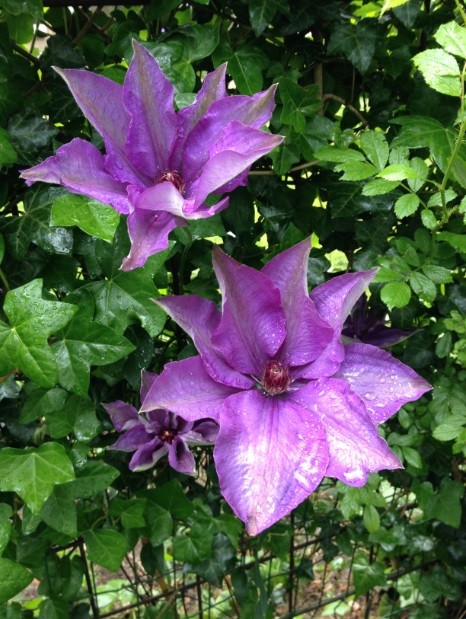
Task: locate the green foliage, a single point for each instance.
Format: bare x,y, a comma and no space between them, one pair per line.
370,100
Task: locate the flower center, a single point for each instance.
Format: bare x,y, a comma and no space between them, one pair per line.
167,436
276,378
173,177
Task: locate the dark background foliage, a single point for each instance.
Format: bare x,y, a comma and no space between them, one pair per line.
75,331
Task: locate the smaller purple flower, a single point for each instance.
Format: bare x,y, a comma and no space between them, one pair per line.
160,432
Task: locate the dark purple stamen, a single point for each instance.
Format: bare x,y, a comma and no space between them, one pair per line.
173,177
167,436
276,378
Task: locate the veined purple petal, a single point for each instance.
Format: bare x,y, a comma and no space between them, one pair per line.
236,150
79,166
123,415
199,318
148,97
252,327
213,88
148,231
381,381
334,301
148,455
180,458
161,197
253,111
185,388
101,101
270,455
306,333
158,420
355,446
133,438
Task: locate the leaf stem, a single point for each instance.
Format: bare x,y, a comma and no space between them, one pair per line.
4,280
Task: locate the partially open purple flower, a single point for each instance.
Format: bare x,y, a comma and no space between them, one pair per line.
160,166
293,403
157,433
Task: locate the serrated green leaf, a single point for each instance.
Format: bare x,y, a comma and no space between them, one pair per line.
92,217
452,37
397,172
440,71
428,219
422,171
406,205
387,275
84,343
423,286
14,579
32,473
450,429
395,294
356,170
339,155
375,147
458,241
23,343
379,187
436,273
371,518
106,547
412,457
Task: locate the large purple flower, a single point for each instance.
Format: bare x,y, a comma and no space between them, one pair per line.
159,166
157,433
293,403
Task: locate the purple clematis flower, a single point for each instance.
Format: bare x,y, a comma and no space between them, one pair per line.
367,324
160,432
293,403
160,166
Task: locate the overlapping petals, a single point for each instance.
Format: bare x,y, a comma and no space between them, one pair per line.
160,165
293,402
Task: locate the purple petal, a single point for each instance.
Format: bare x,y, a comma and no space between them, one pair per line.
148,455
199,318
355,446
148,97
385,337
148,232
334,301
213,88
381,381
185,388
79,166
123,415
147,379
158,420
133,439
203,432
306,333
180,458
161,197
270,455
101,101
252,327
236,150
253,111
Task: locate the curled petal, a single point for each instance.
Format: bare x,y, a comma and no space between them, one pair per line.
382,382
270,455
252,327
148,231
161,197
180,458
355,446
148,97
123,415
203,431
148,455
236,150
199,318
306,333
185,388
79,166
133,439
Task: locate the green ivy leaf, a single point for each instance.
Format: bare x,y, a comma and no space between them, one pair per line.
29,134
261,13
245,66
357,43
371,518
14,579
16,7
445,505
106,547
98,220
193,548
440,71
395,294
298,102
406,205
5,525
32,473
92,478
7,152
367,575
23,343
84,343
